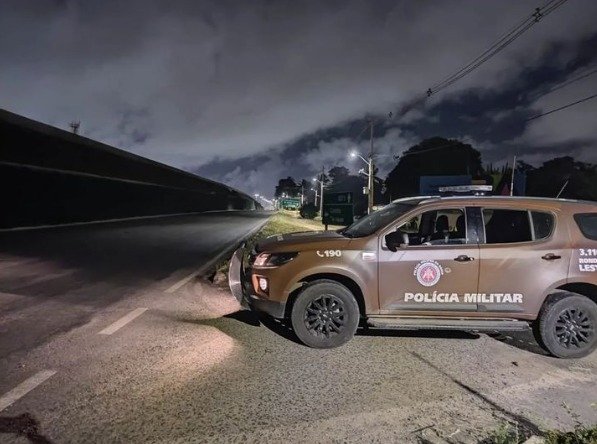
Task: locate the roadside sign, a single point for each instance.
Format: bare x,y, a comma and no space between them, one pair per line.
290,203
337,214
338,198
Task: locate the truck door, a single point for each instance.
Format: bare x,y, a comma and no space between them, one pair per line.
523,254
435,269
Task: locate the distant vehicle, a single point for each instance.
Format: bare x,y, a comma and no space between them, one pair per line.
475,263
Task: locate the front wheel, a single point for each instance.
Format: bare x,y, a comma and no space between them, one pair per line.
568,324
325,314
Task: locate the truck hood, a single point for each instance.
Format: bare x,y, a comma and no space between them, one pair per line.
301,241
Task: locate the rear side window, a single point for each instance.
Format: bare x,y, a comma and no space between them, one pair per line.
588,224
506,226
542,224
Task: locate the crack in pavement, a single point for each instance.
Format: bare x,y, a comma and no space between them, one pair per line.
526,423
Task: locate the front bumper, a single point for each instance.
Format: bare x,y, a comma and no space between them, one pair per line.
242,289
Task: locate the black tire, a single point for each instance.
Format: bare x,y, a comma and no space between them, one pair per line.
325,314
568,325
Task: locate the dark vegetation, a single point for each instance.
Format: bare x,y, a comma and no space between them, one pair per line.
438,156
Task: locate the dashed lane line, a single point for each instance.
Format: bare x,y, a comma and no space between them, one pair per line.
183,281
24,387
224,252
122,321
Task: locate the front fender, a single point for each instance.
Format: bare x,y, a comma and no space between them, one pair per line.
330,270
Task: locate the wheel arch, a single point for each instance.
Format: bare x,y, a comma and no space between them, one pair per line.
583,288
348,282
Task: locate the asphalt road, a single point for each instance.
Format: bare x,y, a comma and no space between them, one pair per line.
53,280
188,366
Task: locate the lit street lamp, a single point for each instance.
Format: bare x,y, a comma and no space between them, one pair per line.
369,174
320,180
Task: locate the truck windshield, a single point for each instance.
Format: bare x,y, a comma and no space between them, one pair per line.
378,219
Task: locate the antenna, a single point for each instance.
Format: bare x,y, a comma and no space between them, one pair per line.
563,187
74,126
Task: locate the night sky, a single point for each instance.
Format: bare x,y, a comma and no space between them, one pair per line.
248,92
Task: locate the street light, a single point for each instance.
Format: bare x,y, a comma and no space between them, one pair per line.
315,179
354,154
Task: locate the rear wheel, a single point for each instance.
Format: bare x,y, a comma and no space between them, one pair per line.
568,325
325,314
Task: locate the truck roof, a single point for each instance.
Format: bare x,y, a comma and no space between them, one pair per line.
417,200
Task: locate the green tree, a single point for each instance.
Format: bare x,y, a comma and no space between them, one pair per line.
338,173
288,187
549,179
435,156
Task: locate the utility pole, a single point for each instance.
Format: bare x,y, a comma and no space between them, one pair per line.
321,192
74,126
512,178
370,178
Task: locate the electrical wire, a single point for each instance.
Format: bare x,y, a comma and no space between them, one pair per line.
566,83
561,108
498,45
441,147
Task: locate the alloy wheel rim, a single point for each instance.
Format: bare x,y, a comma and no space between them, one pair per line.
573,328
325,316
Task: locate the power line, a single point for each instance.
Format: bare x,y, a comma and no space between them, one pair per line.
441,147
499,45
566,83
561,108
496,47
366,127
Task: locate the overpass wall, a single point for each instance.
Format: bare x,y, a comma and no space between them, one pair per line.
49,176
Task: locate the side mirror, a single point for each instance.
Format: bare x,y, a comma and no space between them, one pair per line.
396,239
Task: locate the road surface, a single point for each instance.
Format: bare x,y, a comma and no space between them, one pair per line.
107,335
53,280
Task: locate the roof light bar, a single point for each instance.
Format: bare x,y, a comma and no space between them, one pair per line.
472,190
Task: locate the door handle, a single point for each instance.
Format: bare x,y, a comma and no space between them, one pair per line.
464,258
551,257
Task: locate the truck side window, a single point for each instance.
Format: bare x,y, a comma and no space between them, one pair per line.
437,227
506,226
542,224
588,224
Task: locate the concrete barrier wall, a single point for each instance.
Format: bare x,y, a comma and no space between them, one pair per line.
49,176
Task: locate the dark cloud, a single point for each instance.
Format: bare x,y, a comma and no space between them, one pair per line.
248,92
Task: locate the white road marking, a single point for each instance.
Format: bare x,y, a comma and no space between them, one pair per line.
184,281
122,321
24,387
225,251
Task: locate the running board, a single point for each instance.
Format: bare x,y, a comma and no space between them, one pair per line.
411,323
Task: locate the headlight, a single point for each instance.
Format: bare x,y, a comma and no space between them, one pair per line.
273,259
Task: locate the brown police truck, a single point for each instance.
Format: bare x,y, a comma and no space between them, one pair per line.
469,263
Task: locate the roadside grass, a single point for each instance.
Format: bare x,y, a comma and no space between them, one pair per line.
580,435
506,434
289,222
280,223
509,434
